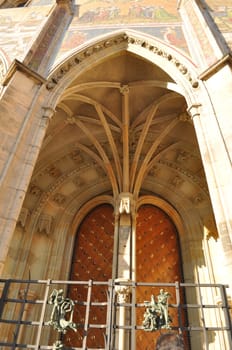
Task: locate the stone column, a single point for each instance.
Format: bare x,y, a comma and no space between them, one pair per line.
22,124
218,170
125,212
20,159
123,293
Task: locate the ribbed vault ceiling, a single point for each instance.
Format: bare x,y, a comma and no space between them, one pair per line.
120,127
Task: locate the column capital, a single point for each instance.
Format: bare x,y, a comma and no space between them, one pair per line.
48,113
125,204
124,89
123,291
194,110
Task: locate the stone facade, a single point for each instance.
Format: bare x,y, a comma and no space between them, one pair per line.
124,105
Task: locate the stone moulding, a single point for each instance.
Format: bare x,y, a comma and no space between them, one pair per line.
123,38
185,172
19,66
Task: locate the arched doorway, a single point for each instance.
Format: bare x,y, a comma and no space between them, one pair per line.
120,126
92,260
158,260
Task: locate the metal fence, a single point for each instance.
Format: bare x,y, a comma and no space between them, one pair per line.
27,313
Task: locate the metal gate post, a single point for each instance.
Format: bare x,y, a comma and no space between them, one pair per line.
226,310
109,316
42,314
4,295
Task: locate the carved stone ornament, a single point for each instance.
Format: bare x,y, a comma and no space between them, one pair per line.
123,294
35,190
129,40
122,290
124,206
125,203
54,171
182,156
156,315
76,156
62,307
3,66
124,89
45,223
177,181
59,199
2,70
194,178
197,199
22,219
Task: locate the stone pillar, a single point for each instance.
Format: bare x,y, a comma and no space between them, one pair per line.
218,170
125,212
22,131
123,293
23,120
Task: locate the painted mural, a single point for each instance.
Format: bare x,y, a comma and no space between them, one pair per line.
20,26
121,11
221,11
171,34
95,18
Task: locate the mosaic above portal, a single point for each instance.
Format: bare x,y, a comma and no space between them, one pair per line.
121,11
221,11
93,19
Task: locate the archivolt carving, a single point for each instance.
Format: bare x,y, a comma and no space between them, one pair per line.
186,173
45,223
23,216
3,68
128,40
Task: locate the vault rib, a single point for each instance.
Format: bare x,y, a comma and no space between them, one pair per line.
161,153
125,136
65,108
102,153
167,85
144,132
88,100
142,115
91,85
92,120
138,150
144,167
111,143
154,107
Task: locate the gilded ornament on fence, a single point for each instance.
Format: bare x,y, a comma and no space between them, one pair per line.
62,307
156,315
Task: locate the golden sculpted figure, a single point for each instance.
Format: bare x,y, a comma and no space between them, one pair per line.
61,307
156,315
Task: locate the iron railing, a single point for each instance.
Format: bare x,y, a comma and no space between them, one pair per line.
25,312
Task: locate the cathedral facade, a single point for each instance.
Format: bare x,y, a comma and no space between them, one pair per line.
115,160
